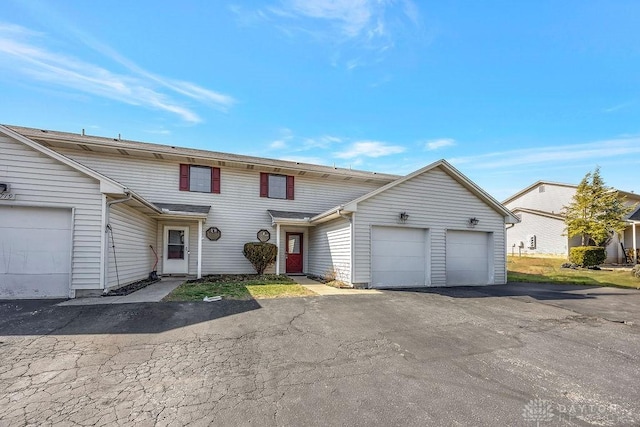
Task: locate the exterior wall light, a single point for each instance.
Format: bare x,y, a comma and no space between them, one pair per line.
404,217
473,221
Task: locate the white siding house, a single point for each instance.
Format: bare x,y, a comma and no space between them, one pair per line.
119,203
542,230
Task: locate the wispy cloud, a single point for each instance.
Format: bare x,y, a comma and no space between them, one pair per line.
324,141
372,25
618,107
436,144
565,154
23,52
369,149
278,144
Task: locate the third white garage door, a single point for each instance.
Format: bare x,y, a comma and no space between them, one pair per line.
398,257
468,257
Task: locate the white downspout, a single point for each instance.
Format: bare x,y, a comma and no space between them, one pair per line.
635,245
106,222
199,249
278,245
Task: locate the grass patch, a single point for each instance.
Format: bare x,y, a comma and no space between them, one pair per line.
547,270
238,287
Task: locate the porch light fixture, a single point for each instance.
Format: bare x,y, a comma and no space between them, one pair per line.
473,221
4,187
404,217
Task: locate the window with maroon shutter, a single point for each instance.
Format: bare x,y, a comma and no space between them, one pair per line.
184,177
264,184
215,180
201,179
276,186
290,191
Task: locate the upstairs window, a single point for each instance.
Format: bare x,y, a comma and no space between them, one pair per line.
200,179
276,186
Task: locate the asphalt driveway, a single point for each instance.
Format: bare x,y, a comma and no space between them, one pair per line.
503,355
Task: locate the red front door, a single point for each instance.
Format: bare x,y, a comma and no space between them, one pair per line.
294,252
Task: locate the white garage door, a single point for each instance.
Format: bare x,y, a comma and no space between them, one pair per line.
35,252
468,257
398,257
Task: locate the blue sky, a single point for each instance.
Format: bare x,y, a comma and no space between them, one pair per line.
509,92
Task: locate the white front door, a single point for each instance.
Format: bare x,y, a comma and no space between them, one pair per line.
176,250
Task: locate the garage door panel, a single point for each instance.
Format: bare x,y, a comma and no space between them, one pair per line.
390,248
399,263
389,279
467,257
35,252
398,257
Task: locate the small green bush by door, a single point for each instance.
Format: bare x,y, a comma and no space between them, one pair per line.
260,255
587,256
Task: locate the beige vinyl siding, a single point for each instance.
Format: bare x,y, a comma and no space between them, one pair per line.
434,201
330,249
548,231
238,211
551,200
39,180
133,233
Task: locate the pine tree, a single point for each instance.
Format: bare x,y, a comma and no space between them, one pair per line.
596,211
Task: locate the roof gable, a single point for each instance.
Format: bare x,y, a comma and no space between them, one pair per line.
559,184
107,185
446,167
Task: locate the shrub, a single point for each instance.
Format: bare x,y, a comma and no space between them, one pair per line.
636,271
587,256
260,255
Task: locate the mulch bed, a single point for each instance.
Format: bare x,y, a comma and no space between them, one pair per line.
130,288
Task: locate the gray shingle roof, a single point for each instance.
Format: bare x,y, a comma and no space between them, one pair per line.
116,143
290,215
172,207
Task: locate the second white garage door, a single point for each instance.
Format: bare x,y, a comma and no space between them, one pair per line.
35,252
468,257
398,257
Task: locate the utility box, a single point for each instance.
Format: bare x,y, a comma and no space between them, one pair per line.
531,241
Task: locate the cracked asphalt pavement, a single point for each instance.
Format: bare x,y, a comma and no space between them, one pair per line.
504,355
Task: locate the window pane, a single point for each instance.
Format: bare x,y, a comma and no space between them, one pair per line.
277,186
200,179
294,244
175,244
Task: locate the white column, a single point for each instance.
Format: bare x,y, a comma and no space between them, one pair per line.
199,249
278,245
635,245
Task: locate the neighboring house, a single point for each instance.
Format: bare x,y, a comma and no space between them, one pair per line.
542,230
82,215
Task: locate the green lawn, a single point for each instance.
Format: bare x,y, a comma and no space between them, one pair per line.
239,287
547,270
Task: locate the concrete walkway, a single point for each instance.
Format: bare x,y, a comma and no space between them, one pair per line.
152,293
322,289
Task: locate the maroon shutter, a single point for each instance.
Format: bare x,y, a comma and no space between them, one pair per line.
290,191
264,184
184,177
215,180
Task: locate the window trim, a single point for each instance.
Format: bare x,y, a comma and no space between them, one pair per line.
185,178
264,186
